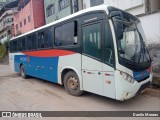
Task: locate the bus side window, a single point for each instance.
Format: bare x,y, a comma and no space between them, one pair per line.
34,41
41,40
48,43
92,40
109,49
14,48
58,36
29,42
21,44
66,34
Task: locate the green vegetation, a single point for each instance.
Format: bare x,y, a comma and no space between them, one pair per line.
3,50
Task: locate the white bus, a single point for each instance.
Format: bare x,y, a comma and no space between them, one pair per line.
100,50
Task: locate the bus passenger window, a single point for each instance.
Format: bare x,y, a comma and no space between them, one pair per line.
109,49
48,43
58,36
29,41
66,35
13,46
92,40
41,40
22,44
34,41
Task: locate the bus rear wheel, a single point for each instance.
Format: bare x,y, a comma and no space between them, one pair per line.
72,84
22,72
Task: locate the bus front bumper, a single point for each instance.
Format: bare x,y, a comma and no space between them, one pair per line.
128,90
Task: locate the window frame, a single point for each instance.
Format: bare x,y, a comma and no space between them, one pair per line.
101,37
21,24
96,4
40,48
66,46
52,8
31,35
112,44
25,22
65,5
20,39
29,18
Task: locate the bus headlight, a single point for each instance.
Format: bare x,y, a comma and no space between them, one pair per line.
127,77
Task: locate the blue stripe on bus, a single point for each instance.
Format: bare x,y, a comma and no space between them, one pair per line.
141,75
43,68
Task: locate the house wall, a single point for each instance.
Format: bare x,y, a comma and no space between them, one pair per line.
58,13
35,10
38,13
155,5
133,6
151,26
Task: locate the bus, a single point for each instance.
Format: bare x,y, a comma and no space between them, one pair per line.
101,50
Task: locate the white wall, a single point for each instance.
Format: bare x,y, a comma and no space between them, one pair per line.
151,25
134,7
124,4
86,4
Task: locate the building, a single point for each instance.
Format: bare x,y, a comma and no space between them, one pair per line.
30,16
134,7
56,9
6,19
2,3
146,10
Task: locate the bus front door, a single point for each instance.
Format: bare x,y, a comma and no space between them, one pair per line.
91,57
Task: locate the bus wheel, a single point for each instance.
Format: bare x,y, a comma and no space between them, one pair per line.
71,84
23,74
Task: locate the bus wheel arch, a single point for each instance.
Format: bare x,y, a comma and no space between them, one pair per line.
71,82
22,71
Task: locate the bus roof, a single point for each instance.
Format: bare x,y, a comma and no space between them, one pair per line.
96,8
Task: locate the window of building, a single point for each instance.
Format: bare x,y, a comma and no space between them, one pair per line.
96,2
63,4
24,21
65,35
16,26
29,18
50,10
92,40
20,24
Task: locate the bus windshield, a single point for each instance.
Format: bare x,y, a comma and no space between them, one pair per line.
131,44
130,39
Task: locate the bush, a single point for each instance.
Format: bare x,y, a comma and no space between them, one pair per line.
3,50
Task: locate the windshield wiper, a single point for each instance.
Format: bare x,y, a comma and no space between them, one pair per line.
143,49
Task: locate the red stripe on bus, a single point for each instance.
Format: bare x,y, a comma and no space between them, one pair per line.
149,70
108,74
48,53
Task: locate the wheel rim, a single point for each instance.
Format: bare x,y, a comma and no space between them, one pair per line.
73,83
22,71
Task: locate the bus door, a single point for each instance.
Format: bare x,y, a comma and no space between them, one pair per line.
91,57
108,63
98,59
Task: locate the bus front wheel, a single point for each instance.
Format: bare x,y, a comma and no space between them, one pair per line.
71,84
22,72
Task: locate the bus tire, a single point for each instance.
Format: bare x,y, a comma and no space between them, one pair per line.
71,84
22,72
